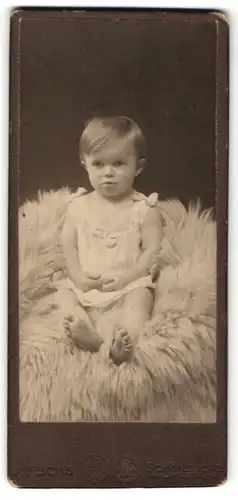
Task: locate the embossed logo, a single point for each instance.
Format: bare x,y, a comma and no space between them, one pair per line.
94,468
126,468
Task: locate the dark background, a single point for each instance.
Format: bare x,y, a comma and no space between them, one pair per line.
160,73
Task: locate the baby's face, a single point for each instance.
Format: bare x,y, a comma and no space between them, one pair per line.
113,169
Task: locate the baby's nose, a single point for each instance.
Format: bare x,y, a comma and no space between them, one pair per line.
108,170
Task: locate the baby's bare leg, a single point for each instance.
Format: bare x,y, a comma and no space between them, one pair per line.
77,323
136,311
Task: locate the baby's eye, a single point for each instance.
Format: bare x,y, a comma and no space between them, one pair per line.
97,164
118,163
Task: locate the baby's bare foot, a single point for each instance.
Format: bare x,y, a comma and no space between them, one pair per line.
68,320
82,334
122,346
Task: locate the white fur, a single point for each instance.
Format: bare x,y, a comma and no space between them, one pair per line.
172,377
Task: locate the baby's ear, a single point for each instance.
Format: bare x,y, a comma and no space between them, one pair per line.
83,163
141,166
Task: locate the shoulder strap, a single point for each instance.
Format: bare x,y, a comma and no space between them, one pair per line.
172,211
150,200
142,205
80,192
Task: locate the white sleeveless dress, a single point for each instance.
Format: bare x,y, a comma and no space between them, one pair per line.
106,250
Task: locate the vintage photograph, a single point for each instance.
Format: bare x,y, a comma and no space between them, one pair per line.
117,228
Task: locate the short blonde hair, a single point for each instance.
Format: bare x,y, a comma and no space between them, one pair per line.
99,130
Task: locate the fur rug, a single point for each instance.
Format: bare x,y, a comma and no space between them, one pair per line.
172,377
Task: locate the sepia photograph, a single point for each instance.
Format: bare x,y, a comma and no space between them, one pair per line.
117,230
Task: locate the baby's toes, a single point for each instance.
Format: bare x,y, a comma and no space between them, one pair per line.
69,318
128,347
67,328
126,338
128,343
124,335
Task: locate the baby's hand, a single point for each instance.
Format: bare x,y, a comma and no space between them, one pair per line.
114,283
91,281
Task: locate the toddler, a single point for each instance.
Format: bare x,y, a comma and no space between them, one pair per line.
111,237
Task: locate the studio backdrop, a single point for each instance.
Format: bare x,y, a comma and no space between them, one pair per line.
160,74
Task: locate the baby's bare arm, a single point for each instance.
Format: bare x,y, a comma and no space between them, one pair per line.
151,238
69,245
